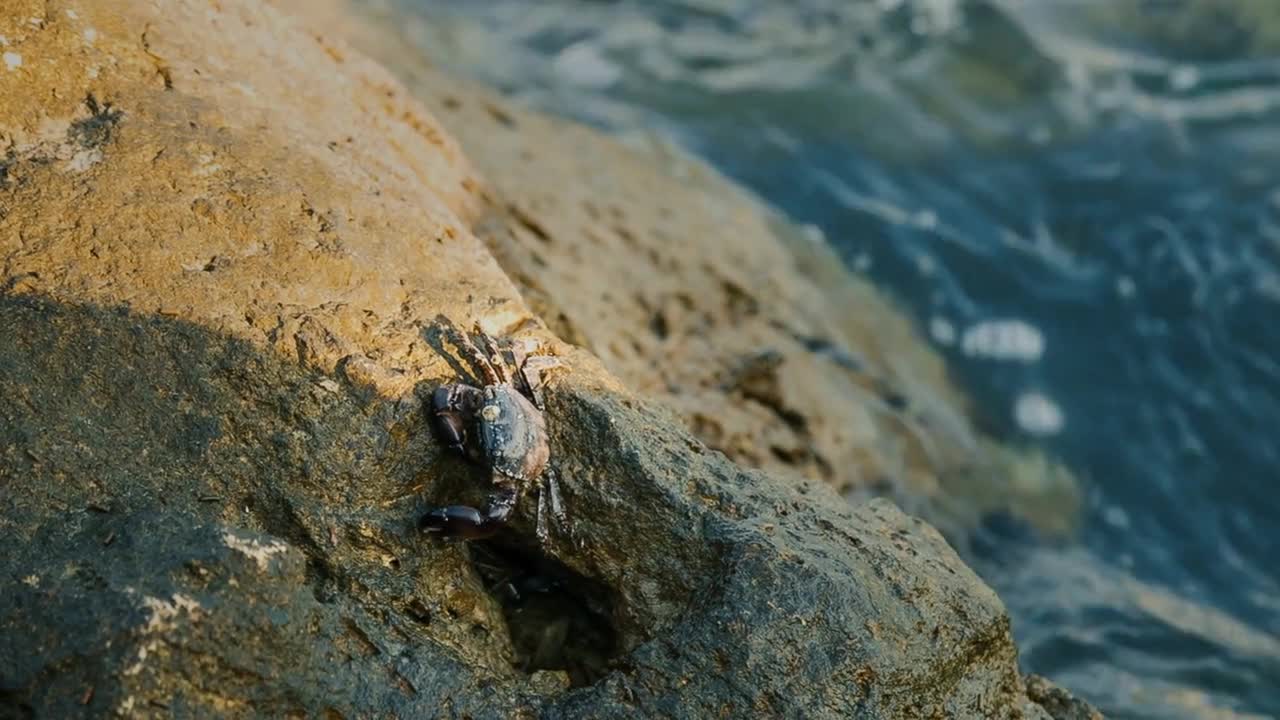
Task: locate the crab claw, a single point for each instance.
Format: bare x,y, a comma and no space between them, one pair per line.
458,521
462,521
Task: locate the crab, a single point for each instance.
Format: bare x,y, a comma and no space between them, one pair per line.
500,426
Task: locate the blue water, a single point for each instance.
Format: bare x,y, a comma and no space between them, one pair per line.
1107,173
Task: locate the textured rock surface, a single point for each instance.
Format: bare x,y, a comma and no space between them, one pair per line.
1059,703
331,226
224,244
204,527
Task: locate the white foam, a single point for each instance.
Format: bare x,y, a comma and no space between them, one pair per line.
1125,286
13,60
1013,340
584,65
1116,517
942,331
1038,414
1184,78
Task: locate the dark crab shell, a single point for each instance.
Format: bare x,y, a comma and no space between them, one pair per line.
513,434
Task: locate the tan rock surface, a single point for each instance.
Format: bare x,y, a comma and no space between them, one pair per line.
170,181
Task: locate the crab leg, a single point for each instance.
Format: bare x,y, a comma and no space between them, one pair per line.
494,355
481,360
519,380
550,490
531,369
541,529
557,503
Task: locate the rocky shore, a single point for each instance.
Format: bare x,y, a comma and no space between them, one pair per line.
229,242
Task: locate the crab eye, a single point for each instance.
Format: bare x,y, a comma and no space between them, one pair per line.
440,399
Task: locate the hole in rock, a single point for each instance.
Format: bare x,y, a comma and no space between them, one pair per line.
558,619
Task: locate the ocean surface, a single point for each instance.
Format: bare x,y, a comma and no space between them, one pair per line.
1079,202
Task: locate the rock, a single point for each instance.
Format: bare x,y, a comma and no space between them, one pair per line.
202,527
330,227
226,534
1060,704
698,296
214,330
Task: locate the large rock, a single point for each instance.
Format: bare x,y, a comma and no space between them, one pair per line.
228,251
200,526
